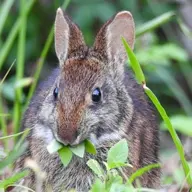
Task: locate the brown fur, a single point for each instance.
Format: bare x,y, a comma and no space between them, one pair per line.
123,112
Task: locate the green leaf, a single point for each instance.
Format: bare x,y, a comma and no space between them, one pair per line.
141,171
134,63
54,146
13,179
95,167
78,150
98,186
65,155
118,154
89,147
181,123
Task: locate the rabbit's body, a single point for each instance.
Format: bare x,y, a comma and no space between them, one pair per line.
97,99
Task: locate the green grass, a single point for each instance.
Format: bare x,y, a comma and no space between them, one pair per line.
141,79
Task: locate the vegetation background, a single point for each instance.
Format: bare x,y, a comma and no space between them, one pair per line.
164,52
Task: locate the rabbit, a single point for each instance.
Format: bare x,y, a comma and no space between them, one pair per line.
91,95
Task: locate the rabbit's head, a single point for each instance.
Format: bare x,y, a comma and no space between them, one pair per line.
88,99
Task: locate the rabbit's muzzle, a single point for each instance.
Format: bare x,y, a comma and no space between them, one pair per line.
68,124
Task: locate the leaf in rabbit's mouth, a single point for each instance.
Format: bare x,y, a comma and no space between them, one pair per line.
66,152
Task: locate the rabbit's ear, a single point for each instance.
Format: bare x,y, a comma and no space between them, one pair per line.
68,37
108,41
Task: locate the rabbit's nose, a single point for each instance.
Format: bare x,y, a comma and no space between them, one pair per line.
67,138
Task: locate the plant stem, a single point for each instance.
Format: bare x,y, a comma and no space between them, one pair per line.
20,66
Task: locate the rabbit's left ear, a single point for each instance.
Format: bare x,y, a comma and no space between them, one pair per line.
68,37
109,39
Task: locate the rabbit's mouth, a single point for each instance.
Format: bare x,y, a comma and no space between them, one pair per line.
79,139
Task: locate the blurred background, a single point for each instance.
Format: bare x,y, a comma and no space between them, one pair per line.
164,52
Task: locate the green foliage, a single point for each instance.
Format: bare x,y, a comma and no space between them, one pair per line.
162,54
136,67
66,152
5,8
79,150
138,71
151,25
13,179
111,179
96,168
54,146
117,155
89,147
26,35
141,171
65,155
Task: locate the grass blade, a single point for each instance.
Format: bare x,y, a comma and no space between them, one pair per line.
3,124
14,135
13,179
4,77
20,66
5,8
141,171
172,132
2,119
154,23
163,114
12,35
134,63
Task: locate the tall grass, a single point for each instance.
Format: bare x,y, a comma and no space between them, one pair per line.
20,66
141,79
13,33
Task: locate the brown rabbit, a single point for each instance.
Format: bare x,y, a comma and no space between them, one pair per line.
92,95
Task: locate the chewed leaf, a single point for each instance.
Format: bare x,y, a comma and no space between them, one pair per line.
78,150
89,147
54,146
65,155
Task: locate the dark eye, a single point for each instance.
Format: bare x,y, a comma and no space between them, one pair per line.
96,95
55,92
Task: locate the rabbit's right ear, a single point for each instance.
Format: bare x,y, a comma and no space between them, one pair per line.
68,37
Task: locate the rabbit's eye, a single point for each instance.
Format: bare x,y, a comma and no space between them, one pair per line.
55,92
96,95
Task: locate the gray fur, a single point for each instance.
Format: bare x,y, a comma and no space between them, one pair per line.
124,112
